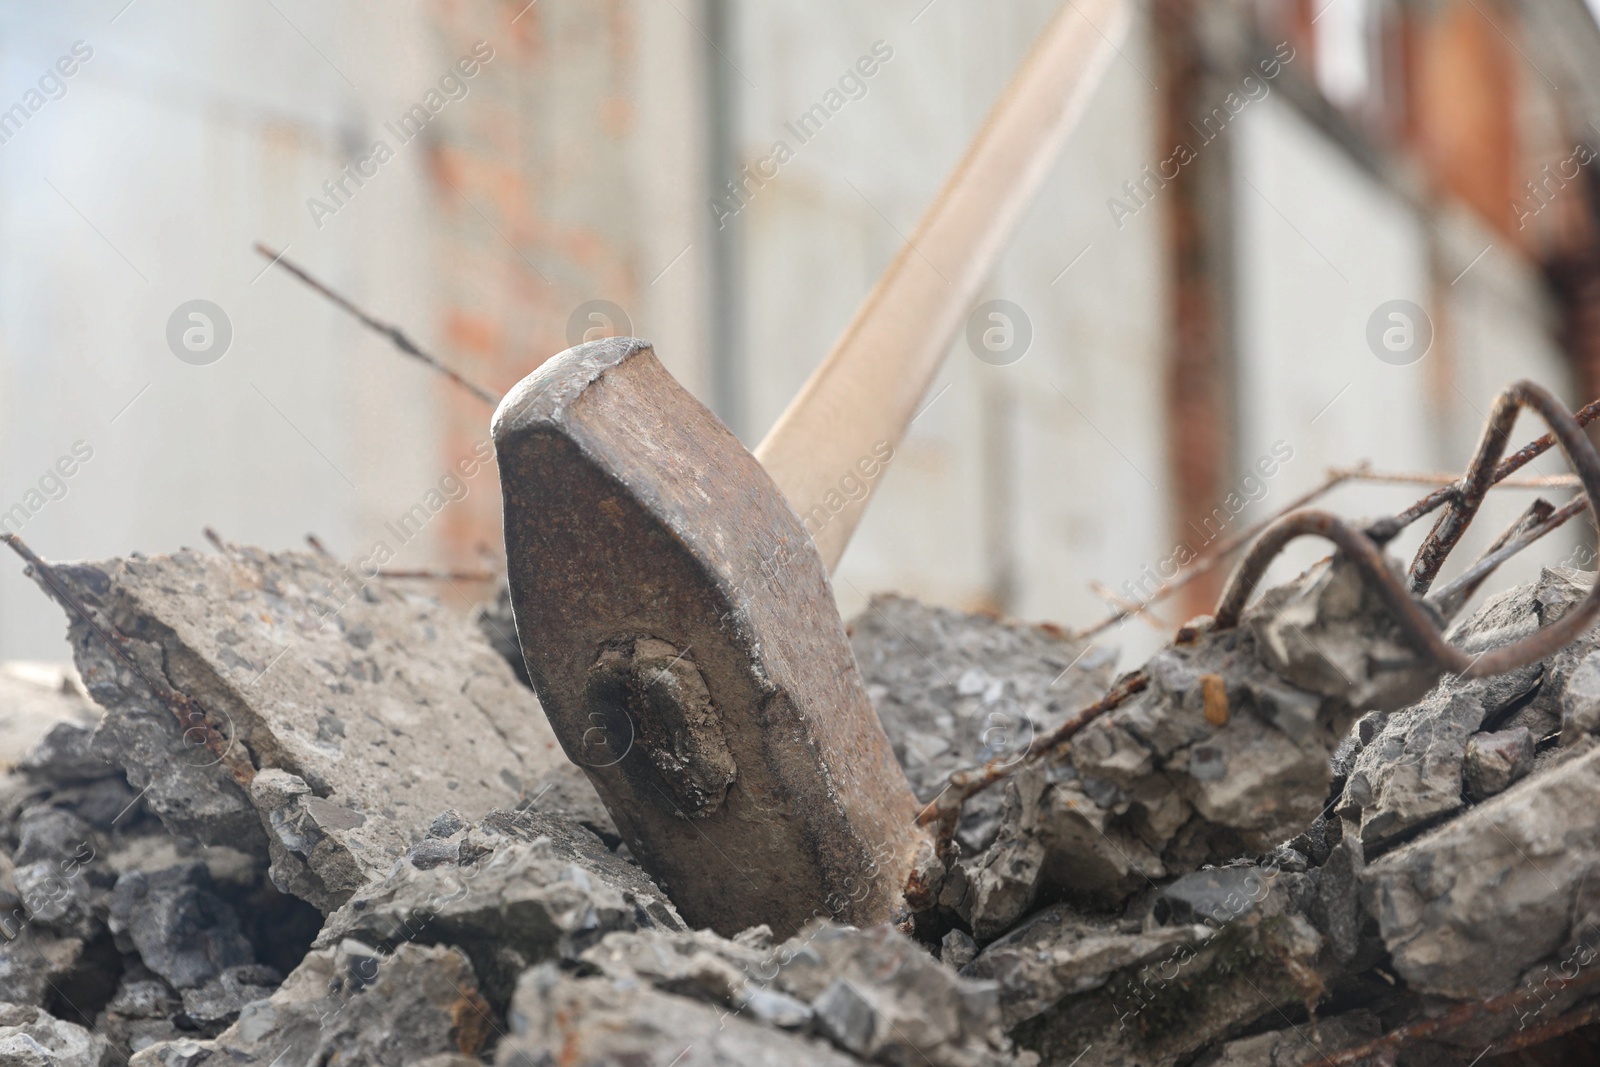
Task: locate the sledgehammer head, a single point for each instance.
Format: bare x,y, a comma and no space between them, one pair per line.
679,627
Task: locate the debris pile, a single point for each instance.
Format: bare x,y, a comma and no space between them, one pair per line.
1296,843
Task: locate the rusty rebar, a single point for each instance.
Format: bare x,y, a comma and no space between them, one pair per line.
1462,1014
1419,629
1540,519
1206,561
190,713
1337,476
1418,625
1451,481
1475,483
1508,466
425,575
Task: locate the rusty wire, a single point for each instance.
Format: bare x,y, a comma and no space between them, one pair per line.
1364,547
395,334
943,810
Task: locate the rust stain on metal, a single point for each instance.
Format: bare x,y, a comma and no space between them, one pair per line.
679,627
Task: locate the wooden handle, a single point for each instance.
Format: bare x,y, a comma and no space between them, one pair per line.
855,408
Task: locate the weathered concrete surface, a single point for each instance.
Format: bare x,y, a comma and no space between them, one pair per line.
1467,907
1058,952
1163,1010
513,891
373,709
596,1022
352,1004
31,1038
1296,1046
873,993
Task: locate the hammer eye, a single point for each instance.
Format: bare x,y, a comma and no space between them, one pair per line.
649,690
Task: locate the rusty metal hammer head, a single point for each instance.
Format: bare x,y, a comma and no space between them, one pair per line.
679,627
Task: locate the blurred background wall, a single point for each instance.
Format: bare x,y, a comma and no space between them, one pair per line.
1209,282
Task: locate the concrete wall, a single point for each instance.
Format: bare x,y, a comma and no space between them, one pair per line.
1324,247
568,171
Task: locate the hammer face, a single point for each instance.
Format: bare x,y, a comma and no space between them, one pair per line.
681,632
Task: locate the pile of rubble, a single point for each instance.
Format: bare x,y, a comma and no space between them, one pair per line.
1295,844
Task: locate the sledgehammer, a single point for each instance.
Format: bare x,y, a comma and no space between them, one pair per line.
675,616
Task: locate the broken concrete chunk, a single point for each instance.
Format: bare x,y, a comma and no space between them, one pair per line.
181,1052
1328,632
46,832
1411,772
955,690
211,1007
181,929
957,949
596,1022
59,902
33,962
141,1013
999,887
353,1004
527,887
698,963
1297,1046
1495,760
64,754
873,993
704,966
31,1038
1467,907
1226,752
387,707
881,996
1059,952
1580,701
1166,1009
1214,897
1514,614
1220,755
